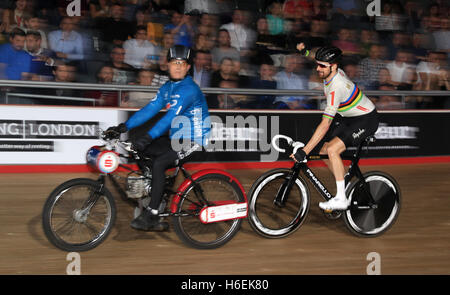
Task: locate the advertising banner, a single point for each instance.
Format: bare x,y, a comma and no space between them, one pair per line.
62,135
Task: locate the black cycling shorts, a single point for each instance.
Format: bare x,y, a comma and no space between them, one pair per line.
353,130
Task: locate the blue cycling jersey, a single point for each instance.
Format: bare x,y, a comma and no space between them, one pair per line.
187,115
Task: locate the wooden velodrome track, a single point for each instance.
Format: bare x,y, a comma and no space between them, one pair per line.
419,243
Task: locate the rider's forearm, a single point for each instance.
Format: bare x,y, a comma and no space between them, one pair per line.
319,133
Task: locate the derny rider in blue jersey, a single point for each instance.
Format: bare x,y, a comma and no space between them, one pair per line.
187,120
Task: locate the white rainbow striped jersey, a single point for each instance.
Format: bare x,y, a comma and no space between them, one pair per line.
345,97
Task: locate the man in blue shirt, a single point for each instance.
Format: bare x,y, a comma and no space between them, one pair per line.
181,29
186,119
15,62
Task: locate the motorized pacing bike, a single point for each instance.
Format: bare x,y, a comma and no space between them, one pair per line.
206,210
279,199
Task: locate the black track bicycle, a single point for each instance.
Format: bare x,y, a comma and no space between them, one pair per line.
206,209
279,199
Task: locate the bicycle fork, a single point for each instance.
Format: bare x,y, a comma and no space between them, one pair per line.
285,188
81,215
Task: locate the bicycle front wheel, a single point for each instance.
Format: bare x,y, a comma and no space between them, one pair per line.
270,220
77,216
208,189
370,221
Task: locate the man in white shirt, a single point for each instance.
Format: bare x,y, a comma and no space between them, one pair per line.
139,52
242,38
399,67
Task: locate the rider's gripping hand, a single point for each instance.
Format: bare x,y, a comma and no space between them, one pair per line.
300,155
142,142
115,131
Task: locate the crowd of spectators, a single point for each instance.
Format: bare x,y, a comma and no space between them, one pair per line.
237,44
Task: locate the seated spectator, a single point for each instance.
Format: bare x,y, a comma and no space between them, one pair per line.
123,72
168,41
287,79
388,102
384,77
201,68
344,12
347,42
114,30
100,8
62,72
138,99
428,71
208,24
265,80
14,18
182,29
297,9
227,101
161,73
15,62
104,97
275,19
223,50
43,59
226,71
398,67
139,52
200,42
242,37
35,23
67,43
371,65
442,37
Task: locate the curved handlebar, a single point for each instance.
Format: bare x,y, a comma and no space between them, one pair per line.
294,144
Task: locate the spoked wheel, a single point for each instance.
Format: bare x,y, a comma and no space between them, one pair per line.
365,220
217,189
77,216
270,220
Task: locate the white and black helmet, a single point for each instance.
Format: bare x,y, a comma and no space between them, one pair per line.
179,52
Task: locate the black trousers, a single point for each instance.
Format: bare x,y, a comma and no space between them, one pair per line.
163,156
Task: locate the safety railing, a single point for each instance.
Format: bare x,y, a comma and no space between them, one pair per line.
10,88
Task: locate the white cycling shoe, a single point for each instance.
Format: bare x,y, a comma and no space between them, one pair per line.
336,203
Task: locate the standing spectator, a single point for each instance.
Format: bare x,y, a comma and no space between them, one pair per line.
43,59
138,99
287,79
15,62
15,17
114,29
104,97
242,37
139,52
123,72
182,29
67,43
223,50
371,65
201,68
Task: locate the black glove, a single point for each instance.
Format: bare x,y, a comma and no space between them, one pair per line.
115,131
300,155
142,142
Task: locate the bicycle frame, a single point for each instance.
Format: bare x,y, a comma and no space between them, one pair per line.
353,171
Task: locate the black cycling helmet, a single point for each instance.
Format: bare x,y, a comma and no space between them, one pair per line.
329,54
179,52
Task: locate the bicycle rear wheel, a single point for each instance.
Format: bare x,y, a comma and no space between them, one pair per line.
270,220
217,189
360,218
72,221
